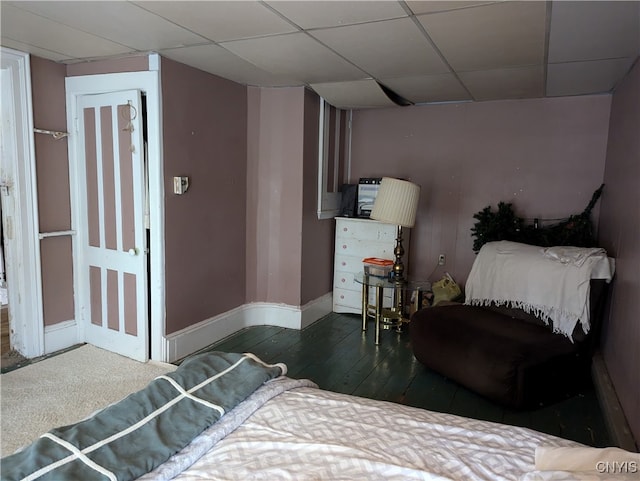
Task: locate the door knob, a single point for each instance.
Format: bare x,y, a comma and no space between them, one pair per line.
133,252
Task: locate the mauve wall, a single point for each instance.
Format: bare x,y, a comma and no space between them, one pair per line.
204,137
289,251
317,235
619,233
52,170
546,156
274,194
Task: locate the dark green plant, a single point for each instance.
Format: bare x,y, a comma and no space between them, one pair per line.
493,226
576,231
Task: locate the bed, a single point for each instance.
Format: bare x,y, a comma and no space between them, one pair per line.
251,422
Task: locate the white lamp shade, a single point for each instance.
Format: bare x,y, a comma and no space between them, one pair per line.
396,202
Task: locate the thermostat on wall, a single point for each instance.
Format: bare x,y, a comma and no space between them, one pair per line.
180,185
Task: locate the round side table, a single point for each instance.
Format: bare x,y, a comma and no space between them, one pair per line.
391,317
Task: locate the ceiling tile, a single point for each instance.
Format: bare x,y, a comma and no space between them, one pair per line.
430,6
384,49
316,14
594,30
222,20
296,56
28,28
428,88
357,94
260,42
515,83
500,35
39,52
121,22
218,61
578,78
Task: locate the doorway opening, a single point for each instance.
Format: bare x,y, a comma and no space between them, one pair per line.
20,244
8,356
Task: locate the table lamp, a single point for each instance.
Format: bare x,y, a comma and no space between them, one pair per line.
397,203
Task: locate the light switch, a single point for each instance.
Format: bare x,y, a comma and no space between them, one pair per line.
180,185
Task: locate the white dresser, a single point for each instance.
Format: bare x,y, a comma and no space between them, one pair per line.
357,239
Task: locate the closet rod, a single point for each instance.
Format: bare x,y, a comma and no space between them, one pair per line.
54,133
59,233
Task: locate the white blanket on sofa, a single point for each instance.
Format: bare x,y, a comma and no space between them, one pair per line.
552,283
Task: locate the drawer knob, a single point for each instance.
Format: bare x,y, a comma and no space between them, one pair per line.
344,246
341,296
345,229
343,280
344,263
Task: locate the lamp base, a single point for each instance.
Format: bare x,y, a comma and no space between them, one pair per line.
397,277
397,272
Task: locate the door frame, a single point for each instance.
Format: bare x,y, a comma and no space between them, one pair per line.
25,283
149,83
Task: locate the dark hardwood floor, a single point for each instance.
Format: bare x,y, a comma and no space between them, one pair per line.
335,354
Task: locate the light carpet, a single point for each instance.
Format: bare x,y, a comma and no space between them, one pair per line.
65,389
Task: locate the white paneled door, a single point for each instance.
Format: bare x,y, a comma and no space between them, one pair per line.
111,235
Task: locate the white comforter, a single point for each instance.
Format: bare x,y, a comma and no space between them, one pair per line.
311,434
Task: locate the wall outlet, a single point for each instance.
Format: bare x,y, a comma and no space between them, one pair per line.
441,259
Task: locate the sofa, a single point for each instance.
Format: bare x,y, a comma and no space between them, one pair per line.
511,350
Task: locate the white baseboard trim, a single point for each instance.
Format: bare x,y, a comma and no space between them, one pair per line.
193,338
314,310
614,417
60,336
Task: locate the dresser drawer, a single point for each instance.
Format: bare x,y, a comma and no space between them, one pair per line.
352,264
365,229
364,248
347,291
346,280
343,298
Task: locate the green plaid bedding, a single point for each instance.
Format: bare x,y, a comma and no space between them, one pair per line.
130,438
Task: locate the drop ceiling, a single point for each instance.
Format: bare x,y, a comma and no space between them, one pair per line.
424,51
